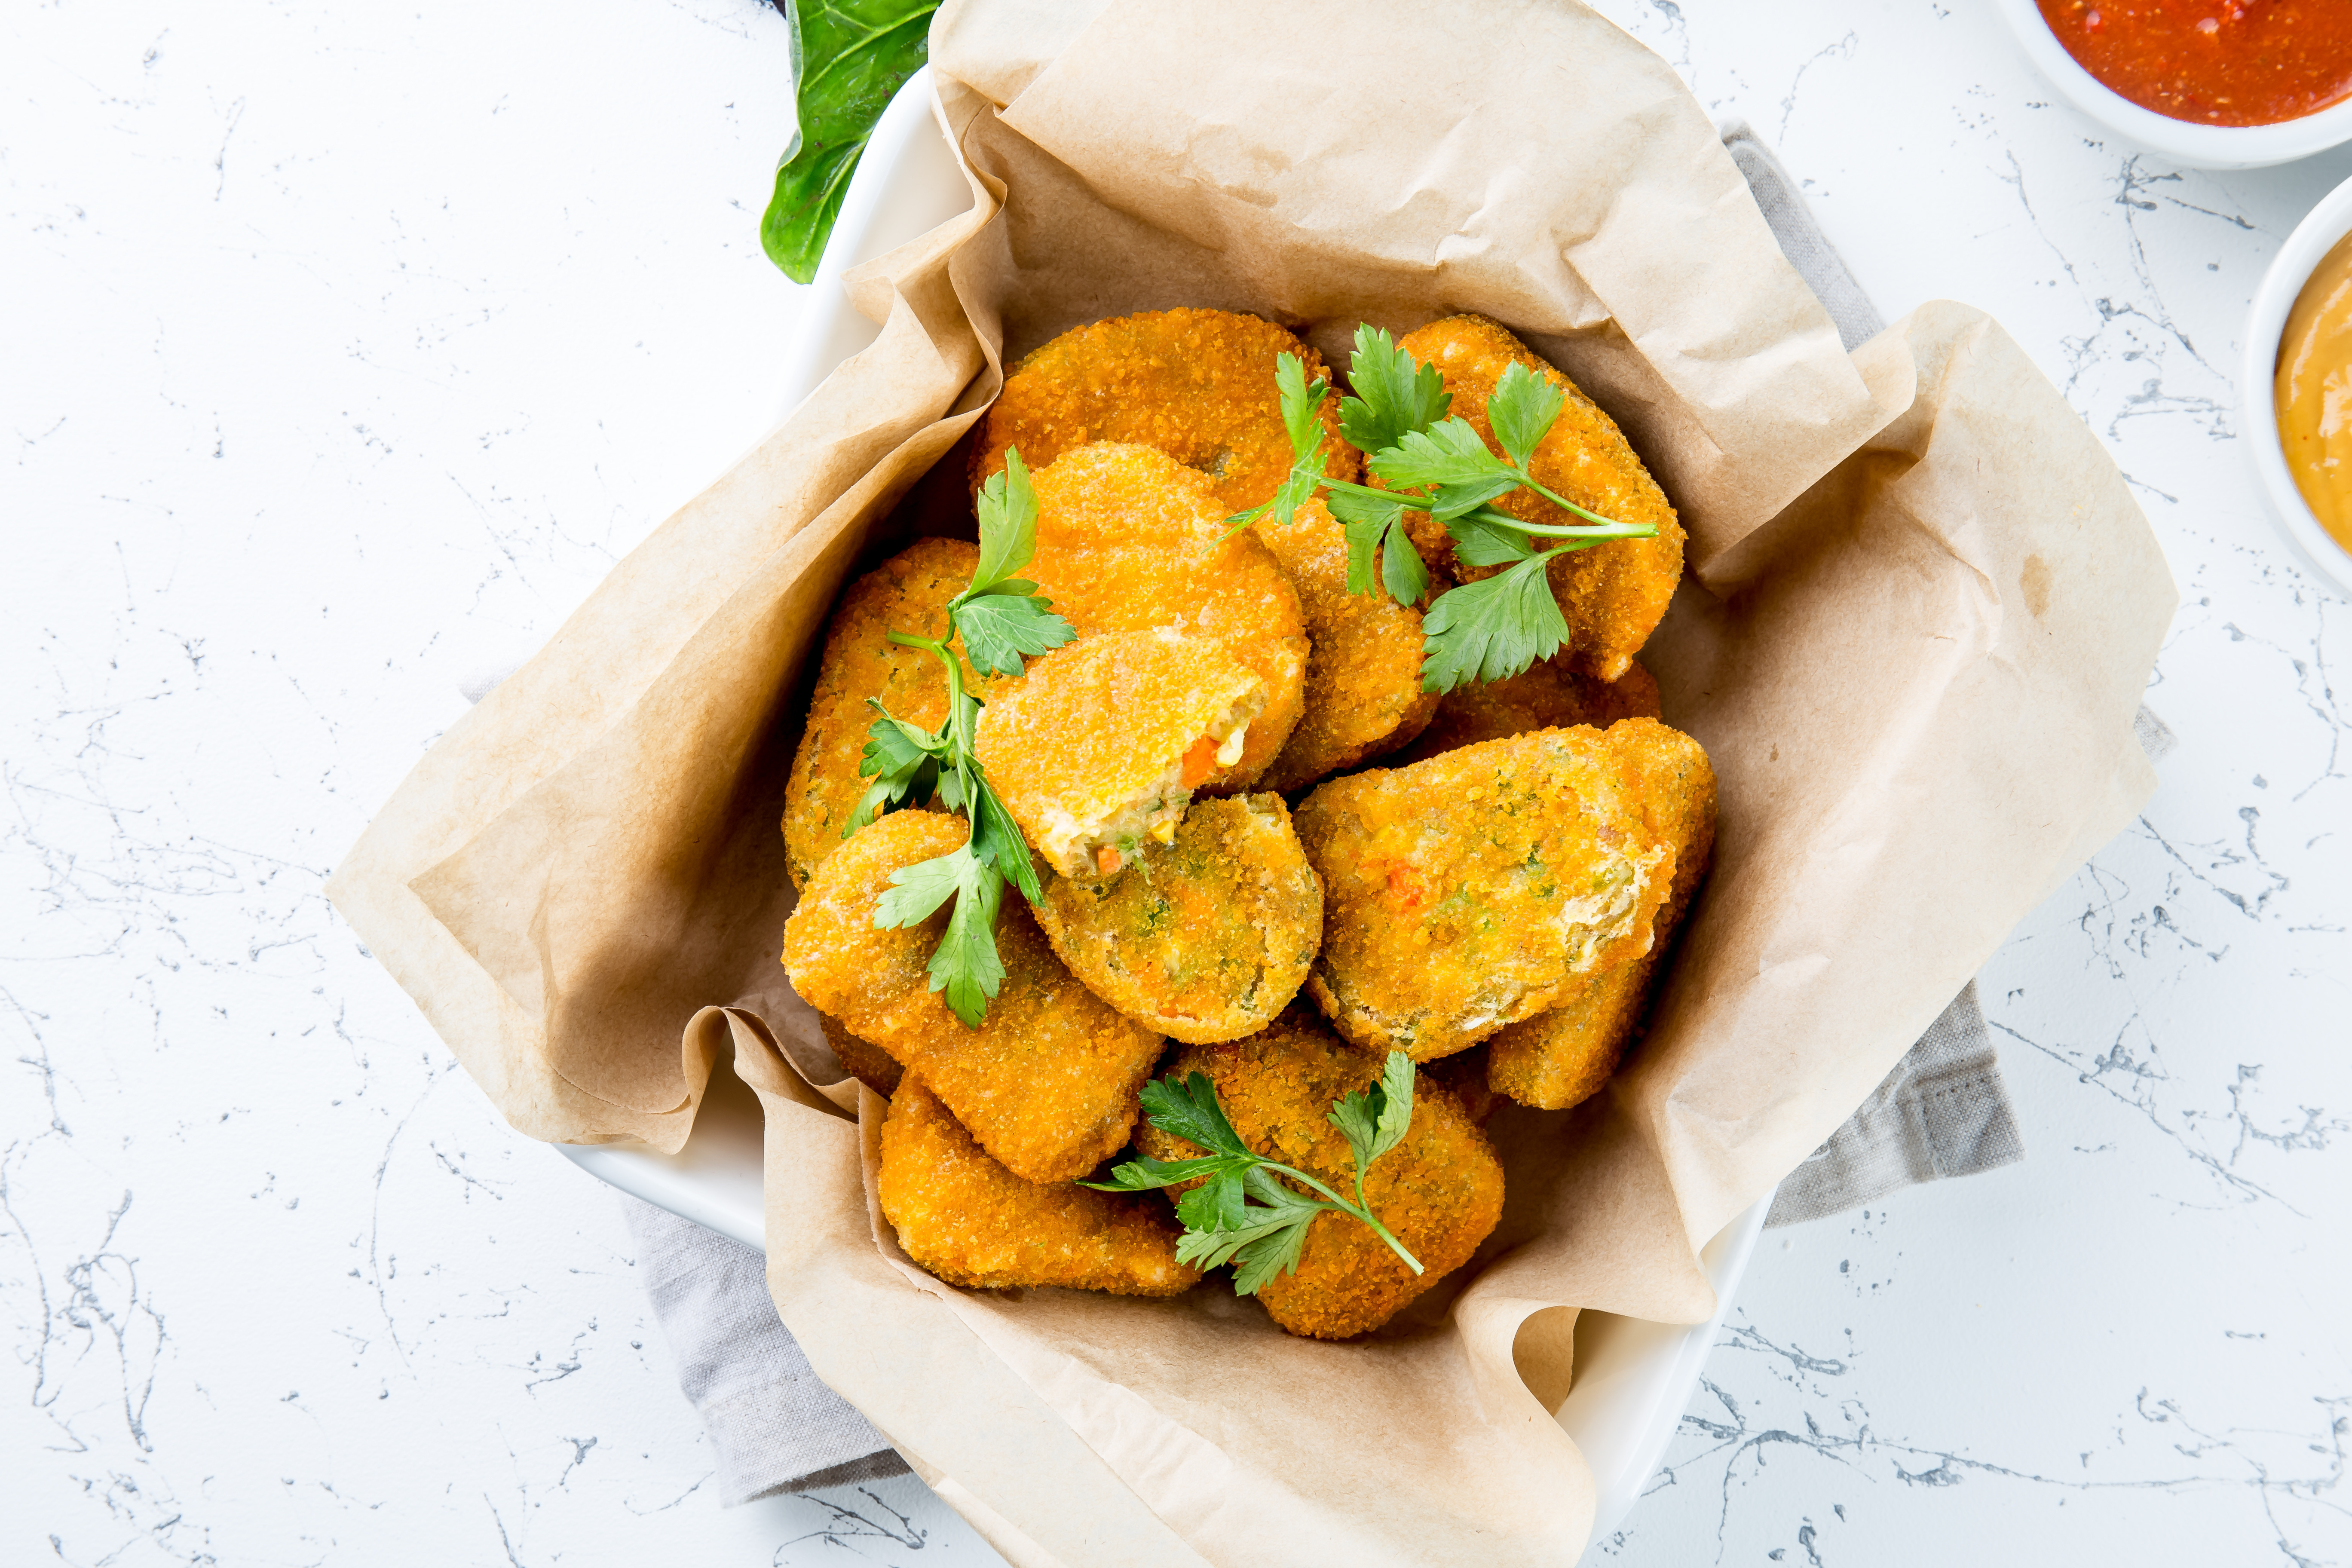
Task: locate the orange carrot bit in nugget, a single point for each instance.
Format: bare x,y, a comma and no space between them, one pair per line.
864,1060
1047,1083
1363,693
965,1219
907,592
1129,540
1549,695
1613,595
1196,384
1440,1190
1558,1058
1205,940
1466,893
1097,748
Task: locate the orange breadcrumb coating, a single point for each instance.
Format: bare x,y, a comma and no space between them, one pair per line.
1047,1083
864,1060
1196,384
907,592
1549,695
1465,893
1363,675
1205,940
1558,1058
1129,540
1097,747
965,1219
1613,595
1440,1190
1463,1074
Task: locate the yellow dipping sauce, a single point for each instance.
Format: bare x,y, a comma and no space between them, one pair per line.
2314,392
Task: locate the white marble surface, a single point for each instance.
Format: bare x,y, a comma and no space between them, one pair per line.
347,347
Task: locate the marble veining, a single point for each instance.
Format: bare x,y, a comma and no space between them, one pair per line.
348,348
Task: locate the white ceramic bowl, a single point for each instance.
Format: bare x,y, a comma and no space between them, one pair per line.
2312,238
2182,140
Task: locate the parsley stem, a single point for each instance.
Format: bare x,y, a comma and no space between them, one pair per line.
1360,1209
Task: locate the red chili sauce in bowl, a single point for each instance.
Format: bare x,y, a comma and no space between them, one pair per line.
2213,62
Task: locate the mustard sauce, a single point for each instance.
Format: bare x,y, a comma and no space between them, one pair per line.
2313,394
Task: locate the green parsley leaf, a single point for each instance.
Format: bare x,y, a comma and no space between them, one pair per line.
998,629
1491,629
1392,395
1451,458
966,965
1301,406
1522,410
1190,1111
996,838
1374,1119
1008,528
1486,538
902,761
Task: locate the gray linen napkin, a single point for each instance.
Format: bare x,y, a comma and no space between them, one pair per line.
1942,1113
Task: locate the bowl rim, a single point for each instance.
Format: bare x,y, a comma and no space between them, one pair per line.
2319,232
2182,140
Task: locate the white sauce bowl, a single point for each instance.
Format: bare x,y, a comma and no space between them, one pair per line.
2312,238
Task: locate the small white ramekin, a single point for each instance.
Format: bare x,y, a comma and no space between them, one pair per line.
2181,140
2312,238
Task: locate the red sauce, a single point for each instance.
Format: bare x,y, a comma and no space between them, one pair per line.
2215,62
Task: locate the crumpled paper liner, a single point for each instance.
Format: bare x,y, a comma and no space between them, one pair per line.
1923,608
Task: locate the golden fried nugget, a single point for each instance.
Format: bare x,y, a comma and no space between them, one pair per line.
1363,691
965,1219
1047,1083
1205,940
1129,540
907,592
1196,384
1440,1190
1463,1075
1613,595
1556,1059
1098,748
864,1060
1466,893
1549,695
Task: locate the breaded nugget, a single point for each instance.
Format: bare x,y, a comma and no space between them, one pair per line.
1129,540
1196,384
864,1060
907,592
1097,747
1549,695
1363,691
1047,1083
1440,1190
1556,1059
964,1218
1463,1075
1614,594
1465,893
1205,940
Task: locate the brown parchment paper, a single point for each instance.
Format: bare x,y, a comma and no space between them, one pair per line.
1922,610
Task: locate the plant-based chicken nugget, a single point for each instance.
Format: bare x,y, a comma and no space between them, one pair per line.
1613,595
1558,1058
1463,1075
1466,893
907,592
1440,1190
1196,384
1363,691
864,1060
1098,748
1129,540
1549,695
1206,940
965,1219
1047,1083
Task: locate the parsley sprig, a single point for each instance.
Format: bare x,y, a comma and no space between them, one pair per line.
1000,620
1242,1215
1396,415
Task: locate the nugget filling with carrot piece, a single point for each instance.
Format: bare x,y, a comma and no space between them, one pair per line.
1466,893
1047,1083
1563,1057
1097,750
907,592
965,1219
1440,1190
1206,940
1613,595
